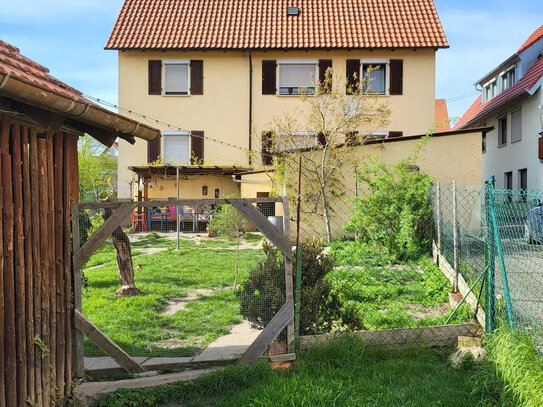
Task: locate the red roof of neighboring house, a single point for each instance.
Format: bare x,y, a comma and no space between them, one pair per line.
536,35
264,24
469,114
441,117
26,70
520,89
16,70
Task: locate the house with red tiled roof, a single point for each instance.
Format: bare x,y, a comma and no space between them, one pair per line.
214,73
511,102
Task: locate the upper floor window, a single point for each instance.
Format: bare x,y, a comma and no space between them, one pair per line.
176,147
502,131
516,125
375,75
176,78
483,142
491,90
297,76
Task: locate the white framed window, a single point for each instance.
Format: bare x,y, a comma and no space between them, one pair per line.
376,73
516,125
491,89
176,75
502,131
176,147
507,78
296,140
295,76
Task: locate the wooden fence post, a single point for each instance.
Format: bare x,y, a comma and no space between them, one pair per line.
79,357
455,237
288,275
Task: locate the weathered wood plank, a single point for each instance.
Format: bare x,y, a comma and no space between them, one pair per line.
71,191
43,203
2,359
106,344
19,275
289,287
29,266
269,333
443,335
9,286
287,357
100,236
36,262
37,267
58,146
256,217
180,202
79,365
51,264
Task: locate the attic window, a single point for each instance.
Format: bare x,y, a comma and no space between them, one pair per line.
293,11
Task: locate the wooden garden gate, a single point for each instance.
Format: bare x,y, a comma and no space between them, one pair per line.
284,318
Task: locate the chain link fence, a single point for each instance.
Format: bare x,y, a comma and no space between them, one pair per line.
204,294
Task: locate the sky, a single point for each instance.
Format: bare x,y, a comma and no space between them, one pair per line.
68,37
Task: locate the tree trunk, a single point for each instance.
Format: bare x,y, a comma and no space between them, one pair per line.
124,264
326,216
121,242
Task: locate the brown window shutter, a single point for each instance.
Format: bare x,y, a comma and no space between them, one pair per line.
353,74
269,86
196,77
540,141
155,77
197,147
395,134
321,137
324,64
396,77
267,158
153,149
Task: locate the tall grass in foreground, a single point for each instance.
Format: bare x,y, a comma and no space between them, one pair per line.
344,372
519,366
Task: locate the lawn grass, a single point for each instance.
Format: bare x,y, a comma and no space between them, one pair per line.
344,372
136,323
396,296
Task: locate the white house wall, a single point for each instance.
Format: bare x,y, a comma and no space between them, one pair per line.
519,155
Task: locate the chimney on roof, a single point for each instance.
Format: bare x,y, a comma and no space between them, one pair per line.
293,11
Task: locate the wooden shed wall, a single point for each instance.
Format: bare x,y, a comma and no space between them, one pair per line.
39,178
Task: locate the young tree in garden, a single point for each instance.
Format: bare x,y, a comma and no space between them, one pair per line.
337,116
97,170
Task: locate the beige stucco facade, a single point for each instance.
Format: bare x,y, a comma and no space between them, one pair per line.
445,158
222,112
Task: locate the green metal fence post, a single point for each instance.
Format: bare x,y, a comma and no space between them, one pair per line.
501,260
490,263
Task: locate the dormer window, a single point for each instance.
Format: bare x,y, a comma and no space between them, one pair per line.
491,89
508,79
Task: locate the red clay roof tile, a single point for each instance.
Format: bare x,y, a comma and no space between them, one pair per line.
264,24
536,35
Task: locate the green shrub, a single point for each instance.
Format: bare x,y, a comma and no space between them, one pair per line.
263,293
394,215
228,222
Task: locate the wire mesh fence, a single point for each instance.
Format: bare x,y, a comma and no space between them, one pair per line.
367,261
205,293
517,217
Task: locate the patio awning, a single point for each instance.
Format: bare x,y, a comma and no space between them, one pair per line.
169,170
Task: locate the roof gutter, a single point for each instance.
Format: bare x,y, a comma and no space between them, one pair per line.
79,109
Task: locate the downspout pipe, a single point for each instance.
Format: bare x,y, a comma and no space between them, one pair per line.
75,107
250,53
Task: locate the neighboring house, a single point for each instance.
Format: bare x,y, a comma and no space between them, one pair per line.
512,103
214,73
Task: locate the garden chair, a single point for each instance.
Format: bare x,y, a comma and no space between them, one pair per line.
138,219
